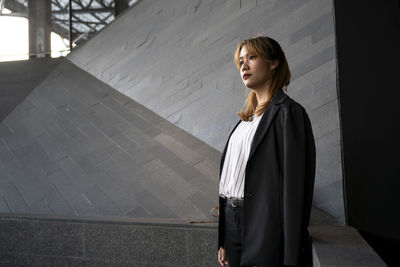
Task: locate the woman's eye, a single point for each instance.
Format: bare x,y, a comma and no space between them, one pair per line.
252,57
241,62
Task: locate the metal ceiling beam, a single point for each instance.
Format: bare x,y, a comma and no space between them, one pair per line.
77,18
15,6
94,15
80,21
70,24
74,30
85,10
15,14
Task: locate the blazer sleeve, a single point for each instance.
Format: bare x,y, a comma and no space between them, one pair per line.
298,181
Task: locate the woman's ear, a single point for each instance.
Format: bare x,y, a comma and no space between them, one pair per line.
274,64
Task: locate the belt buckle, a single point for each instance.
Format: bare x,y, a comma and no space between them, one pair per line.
234,202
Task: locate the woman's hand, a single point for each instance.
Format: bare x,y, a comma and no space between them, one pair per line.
222,257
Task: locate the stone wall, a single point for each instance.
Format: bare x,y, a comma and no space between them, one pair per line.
69,241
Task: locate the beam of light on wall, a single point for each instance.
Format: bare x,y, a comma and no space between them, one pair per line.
59,45
14,43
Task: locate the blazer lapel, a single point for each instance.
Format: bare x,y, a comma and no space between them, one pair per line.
263,125
266,120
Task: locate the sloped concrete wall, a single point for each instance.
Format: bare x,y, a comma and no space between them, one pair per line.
176,58
19,78
75,146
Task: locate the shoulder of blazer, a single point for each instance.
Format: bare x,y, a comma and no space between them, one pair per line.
288,105
287,102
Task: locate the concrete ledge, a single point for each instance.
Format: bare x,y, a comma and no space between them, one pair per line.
342,246
43,240
164,222
27,239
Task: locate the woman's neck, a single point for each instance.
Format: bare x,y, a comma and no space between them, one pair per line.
262,95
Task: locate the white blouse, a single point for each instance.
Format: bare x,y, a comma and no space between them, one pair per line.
233,171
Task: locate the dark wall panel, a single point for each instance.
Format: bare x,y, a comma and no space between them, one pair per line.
368,45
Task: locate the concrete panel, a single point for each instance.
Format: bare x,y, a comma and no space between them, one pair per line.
77,146
41,238
17,80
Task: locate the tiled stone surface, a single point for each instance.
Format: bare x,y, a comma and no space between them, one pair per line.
76,146
19,78
154,206
12,197
3,206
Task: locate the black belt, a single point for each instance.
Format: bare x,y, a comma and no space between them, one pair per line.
234,202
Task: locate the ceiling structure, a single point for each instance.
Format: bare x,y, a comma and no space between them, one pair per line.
88,16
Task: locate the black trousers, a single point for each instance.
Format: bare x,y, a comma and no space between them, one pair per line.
234,221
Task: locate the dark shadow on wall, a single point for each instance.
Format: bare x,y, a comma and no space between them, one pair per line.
368,39
18,78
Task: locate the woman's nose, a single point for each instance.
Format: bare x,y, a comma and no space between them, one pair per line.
245,66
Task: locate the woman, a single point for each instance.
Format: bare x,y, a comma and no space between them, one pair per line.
267,168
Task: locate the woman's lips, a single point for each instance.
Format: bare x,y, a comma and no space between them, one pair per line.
246,76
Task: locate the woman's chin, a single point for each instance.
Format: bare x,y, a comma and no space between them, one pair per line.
248,85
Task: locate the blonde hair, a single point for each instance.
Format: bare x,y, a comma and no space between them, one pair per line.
269,50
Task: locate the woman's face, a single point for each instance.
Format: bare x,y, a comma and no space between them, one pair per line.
256,73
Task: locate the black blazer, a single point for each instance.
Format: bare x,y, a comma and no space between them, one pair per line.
278,189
